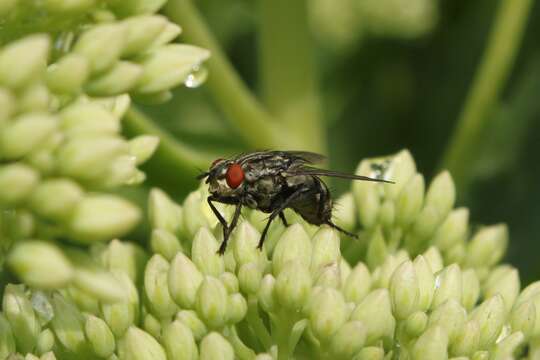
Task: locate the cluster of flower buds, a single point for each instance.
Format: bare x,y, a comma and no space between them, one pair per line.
68,72
297,297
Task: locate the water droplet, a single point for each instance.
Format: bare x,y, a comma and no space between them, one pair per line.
197,76
42,306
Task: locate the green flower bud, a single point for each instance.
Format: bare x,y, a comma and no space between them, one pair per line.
471,289
487,246
48,356
124,258
264,356
424,226
100,336
344,214
431,345
387,214
169,66
293,244
480,355
410,200
244,244
416,324
328,313
401,169
404,290
348,340
164,243
236,308
214,346
505,348
384,273
16,183
230,281
102,217
40,265
210,303
117,80
204,253
139,345
134,7
163,212
156,287
193,322
68,324
120,315
325,249
441,193
45,342
377,250
329,276
370,353
89,158
84,119
266,293
7,341
56,198
184,280
152,325
434,259
249,278
194,217
100,284
168,34
23,61
450,316
25,134
503,280
141,31
179,342
68,74
490,316
448,285
426,282
357,284
18,311
34,98
366,197
466,340
7,105
375,312
453,230
293,285
101,45
142,147
31,357
523,318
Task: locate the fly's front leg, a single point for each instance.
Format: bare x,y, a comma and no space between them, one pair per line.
283,219
279,211
231,227
220,218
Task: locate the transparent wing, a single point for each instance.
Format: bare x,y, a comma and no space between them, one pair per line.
304,170
307,156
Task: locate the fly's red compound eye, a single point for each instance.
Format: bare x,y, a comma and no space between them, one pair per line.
234,176
214,163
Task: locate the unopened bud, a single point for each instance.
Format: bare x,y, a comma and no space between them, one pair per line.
156,287
348,340
40,265
7,341
328,313
179,342
23,61
293,285
100,336
370,353
523,318
120,78
404,290
142,147
416,324
45,341
490,316
431,345
68,74
236,308
410,200
25,134
506,348
163,212
101,45
204,253
211,302
249,278
293,244
467,340
245,239
426,282
120,315
266,293
450,316
68,324
325,249
139,345
164,243
357,284
471,289
434,259
377,250
448,285
487,246
441,193
230,281
184,280
453,230
344,213
375,312
55,199
214,346
503,280
141,31
193,322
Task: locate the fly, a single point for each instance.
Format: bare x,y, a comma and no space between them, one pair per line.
272,181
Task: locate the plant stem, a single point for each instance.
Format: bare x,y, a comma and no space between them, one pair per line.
288,71
257,324
491,76
176,161
242,109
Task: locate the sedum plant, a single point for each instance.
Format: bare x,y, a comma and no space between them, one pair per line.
418,284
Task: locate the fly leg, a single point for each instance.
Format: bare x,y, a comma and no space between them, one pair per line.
279,211
227,229
283,220
234,221
331,224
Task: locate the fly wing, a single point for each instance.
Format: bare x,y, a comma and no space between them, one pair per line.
305,170
307,156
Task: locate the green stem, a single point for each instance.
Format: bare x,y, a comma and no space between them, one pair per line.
283,328
256,323
242,109
177,162
490,78
241,351
288,71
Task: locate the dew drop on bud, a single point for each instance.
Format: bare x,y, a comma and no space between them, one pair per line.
197,76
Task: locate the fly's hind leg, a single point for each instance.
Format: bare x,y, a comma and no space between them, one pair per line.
332,225
283,219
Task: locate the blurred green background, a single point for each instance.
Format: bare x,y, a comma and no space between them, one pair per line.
386,83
